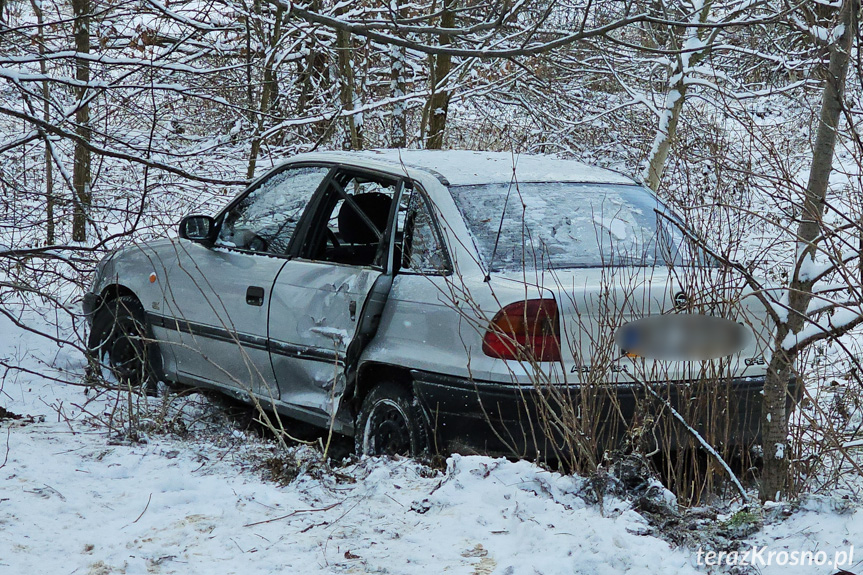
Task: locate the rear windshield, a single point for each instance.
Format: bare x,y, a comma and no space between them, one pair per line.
518,226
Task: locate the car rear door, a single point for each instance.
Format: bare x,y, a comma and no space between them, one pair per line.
341,275
216,297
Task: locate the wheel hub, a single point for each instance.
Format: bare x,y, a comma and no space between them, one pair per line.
390,434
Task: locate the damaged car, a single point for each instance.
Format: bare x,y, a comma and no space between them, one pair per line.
424,300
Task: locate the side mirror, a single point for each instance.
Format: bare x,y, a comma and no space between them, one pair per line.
198,228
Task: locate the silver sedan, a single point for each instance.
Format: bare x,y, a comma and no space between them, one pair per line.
422,299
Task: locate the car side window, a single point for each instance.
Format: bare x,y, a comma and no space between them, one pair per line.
422,250
265,220
352,224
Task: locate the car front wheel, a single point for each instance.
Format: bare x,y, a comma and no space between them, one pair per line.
389,423
120,344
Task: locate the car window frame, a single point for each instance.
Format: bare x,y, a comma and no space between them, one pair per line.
424,197
301,232
313,214
291,250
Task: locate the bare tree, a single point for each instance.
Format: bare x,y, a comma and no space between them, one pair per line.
183,107
50,237
810,231
269,89
398,55
347,68
81,176
441,66
688,53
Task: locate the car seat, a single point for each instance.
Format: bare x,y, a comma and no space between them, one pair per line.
360,242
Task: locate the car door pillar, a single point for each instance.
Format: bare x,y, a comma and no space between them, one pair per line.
374,305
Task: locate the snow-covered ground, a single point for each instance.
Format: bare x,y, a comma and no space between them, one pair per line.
72,500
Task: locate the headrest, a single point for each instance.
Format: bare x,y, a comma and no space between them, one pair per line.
353,229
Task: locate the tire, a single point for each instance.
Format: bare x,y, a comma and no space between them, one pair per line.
120,343
389,423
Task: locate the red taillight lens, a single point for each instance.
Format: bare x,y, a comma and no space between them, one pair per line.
525,330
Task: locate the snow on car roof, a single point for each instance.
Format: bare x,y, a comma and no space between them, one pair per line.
464,167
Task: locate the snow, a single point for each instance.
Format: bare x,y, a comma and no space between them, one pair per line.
74,503
811,268
662,135
820,33
616,226
780,308
841,318
171,508
461,167
780,451
823,523
337,335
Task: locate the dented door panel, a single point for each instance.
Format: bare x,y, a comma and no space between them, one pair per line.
314,313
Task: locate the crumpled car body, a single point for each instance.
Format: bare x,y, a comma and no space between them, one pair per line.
489,286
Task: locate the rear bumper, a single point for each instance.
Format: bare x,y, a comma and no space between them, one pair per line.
547,421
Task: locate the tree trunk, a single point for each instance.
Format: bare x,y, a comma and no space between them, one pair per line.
674,100
438,105
269,88
81,170
398,57
250,95
666,132
774,425
398,132
346,73
50,237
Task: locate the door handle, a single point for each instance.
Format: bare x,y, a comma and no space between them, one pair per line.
255,296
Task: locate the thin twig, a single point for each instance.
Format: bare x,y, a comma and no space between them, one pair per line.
147,506
292,513
6,457
698,437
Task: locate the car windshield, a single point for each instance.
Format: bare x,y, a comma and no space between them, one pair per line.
558,225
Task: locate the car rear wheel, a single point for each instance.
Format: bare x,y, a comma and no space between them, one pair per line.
389,423
121,346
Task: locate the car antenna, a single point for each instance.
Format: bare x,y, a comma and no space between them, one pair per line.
499,230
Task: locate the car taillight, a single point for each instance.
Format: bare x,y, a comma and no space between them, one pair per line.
525,330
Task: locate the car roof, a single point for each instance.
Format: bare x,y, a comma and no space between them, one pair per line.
465,167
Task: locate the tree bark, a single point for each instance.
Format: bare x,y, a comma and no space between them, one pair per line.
250,95
346,73
269,88
675,97
438,105
666,133
398,85
50,236
774,424
81,170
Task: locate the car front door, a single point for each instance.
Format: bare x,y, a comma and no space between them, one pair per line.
216,297
342,271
